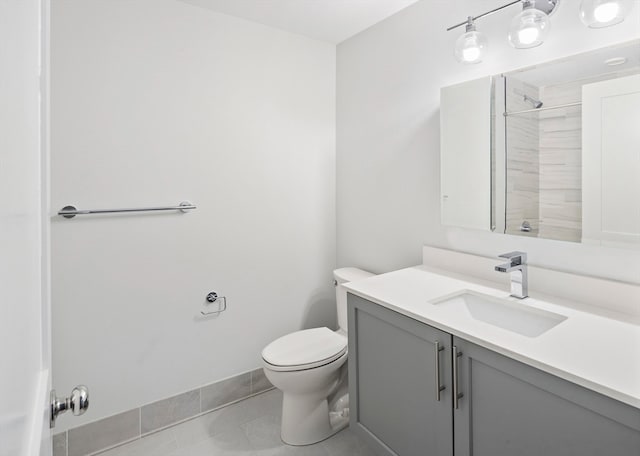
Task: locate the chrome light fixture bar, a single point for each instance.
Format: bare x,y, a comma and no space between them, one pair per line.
546,6
479,16
530,27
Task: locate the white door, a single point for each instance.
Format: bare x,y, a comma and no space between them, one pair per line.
611,162
24,253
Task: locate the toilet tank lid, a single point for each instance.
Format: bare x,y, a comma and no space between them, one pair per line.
344,275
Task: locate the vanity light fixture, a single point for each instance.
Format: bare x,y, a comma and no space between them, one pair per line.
530,27
603,13
472,46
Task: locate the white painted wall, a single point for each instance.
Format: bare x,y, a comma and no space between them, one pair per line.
388,83
153,102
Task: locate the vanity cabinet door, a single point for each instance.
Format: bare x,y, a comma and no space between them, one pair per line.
394,402
508,408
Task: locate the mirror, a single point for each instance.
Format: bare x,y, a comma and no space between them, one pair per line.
562,157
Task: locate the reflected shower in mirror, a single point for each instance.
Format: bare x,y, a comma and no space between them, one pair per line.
555,177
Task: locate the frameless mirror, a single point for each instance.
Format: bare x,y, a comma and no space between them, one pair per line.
562,157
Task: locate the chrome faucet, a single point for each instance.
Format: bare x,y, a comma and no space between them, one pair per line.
517,267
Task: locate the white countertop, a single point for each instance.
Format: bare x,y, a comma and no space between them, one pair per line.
599,353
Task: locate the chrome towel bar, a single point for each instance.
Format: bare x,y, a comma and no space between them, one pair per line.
72,211
546,108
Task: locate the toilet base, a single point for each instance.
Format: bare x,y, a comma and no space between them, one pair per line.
306,421
315,402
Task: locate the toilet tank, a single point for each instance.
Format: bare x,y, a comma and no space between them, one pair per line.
342,276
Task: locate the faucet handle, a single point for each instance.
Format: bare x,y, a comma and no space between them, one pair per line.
515,257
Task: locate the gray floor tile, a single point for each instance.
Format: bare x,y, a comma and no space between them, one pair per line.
345,443
309,450
230,443
264,434
210,425
247,428
161,443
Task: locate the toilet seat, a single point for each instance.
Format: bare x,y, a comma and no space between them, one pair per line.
305,349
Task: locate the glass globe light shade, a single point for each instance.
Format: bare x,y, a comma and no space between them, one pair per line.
529,28
603,13
471,47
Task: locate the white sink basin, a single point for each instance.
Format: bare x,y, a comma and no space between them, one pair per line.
510,315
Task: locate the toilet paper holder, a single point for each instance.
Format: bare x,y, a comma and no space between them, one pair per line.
212,297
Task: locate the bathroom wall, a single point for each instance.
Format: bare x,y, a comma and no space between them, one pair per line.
159,101
388,82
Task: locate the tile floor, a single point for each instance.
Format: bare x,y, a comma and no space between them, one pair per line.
249,428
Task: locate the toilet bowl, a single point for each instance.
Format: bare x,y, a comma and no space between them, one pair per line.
310,369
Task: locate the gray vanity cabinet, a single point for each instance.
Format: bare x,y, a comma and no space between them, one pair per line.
505,407
509,408
392,382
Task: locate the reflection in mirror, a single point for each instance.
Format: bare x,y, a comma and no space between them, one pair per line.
569,166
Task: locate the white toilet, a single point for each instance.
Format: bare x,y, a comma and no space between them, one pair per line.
310,369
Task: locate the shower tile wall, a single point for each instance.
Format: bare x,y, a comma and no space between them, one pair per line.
560,164
523,172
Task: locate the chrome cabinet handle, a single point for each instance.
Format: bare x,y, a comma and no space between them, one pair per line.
457,395
439,387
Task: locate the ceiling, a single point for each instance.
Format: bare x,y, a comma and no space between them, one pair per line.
326,20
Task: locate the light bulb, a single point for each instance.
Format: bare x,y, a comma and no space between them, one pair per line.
529,28
472,46
603,13
606,12
528,35
471,54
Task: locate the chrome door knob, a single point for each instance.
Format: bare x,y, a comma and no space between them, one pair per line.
78,403
79,400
